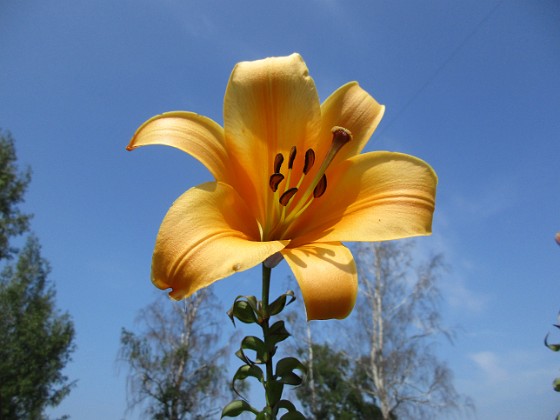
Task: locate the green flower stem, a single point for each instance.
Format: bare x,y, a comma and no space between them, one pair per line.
266,274
265,287
257,354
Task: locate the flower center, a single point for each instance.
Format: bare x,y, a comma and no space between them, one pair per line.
290,200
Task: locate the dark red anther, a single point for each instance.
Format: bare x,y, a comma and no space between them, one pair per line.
321,187
274,181
309,161
293,152
278,160
287,196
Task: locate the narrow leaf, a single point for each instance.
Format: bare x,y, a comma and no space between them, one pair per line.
278,305
274,392
287,365
287,405
556,384
236,407
278,332
243,311
293,415
255,344
553,347
248,370
291,378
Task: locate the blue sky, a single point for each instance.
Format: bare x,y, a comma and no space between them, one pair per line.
472,87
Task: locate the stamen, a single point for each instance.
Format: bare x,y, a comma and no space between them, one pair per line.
321,187
309,161
274,181
281,222
317,188
278,160
293,152
287,196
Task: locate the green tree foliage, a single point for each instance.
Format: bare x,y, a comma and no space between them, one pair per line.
36,340
175,369
383,364
12,189
332,393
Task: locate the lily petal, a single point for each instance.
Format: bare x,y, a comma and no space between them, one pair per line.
327,276
353,108
206,236
270,105
375,196
194,134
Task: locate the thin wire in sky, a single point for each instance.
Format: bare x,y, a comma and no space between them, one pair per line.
444,63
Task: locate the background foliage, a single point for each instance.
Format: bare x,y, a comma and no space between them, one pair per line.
36,339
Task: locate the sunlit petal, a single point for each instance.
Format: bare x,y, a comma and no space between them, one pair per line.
205,237
353,108
327,276
376,196
194,134
270,105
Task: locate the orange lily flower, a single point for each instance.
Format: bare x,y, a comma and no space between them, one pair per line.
290,181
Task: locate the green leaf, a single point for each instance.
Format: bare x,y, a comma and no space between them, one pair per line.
249,370
286,404
553,347
236,407
556,384
291,378
252,301
277,332
265,414
257,345
241,355
293,415
278,305
274,392
243,311
287,365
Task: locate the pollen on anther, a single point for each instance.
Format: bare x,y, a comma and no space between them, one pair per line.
287,196
341,135
321,187
309,161
274,181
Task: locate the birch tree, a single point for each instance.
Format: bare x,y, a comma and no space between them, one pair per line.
400,321
176,363
330,389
